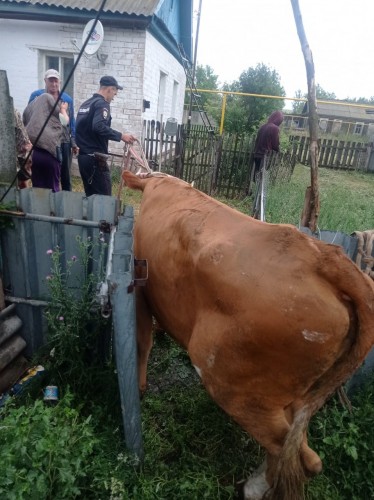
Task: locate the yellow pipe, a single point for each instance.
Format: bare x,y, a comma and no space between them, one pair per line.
225,93
223,113
340,103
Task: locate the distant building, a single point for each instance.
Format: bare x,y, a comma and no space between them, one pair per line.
337,117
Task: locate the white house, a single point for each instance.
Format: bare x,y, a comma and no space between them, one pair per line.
140,48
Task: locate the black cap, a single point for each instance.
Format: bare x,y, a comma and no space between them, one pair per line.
109,81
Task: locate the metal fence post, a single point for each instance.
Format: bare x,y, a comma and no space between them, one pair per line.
124,321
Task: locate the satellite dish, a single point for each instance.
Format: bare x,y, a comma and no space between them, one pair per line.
96,38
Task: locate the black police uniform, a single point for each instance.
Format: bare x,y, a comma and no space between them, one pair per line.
92,134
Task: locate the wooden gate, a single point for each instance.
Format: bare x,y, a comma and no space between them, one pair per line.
217,165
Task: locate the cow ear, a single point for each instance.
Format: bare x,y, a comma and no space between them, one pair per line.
192,183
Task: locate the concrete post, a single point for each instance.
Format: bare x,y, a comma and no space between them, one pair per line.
8,161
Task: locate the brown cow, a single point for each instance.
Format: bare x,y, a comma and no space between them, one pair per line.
274,321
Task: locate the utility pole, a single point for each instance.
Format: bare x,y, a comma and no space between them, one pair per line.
194,64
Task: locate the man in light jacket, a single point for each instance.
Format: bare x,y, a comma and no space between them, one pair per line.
52,81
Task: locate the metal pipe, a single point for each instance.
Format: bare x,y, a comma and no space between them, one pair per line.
223,113
58,220
30,302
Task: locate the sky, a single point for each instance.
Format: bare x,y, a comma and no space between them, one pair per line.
235,35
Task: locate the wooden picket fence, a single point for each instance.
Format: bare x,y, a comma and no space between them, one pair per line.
217,165
333,153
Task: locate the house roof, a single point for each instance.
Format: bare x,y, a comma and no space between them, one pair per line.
127,14
343,111
135,7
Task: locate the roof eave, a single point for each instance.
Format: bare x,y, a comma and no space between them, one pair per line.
72,16
159,30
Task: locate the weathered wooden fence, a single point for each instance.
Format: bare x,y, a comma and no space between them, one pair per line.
333,153
221,165
163,150
218,165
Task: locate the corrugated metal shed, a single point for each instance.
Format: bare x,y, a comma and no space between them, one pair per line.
59,219
64,219
135,7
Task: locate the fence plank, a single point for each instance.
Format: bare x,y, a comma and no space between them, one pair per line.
333,153
223,164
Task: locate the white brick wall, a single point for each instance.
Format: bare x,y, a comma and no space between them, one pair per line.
158,59
135,59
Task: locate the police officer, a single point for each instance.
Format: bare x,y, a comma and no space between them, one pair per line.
92,134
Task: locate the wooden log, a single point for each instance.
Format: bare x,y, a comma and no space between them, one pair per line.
306,214
313,117
10,350
9,327
13,372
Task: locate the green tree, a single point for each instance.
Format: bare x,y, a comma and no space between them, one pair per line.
321,93
360,100
297,106
244,113
205,79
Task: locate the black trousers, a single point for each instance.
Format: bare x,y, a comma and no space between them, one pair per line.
96,179
258,165
65,166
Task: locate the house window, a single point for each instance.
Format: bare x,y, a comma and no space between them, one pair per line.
295,123
63,63
323,124
161,96
336,126
174,98
370,132
359,127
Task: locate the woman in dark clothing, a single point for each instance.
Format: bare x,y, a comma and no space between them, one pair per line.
267,139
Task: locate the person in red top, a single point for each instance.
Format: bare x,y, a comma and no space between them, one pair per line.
267,139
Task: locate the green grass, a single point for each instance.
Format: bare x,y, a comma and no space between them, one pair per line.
345,200
192,449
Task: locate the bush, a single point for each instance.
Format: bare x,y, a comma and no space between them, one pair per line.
45,452
76,331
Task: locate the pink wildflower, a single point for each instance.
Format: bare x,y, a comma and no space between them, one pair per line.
49,252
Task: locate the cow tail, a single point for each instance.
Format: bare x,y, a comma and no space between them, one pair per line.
133,181
289,476
357,290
